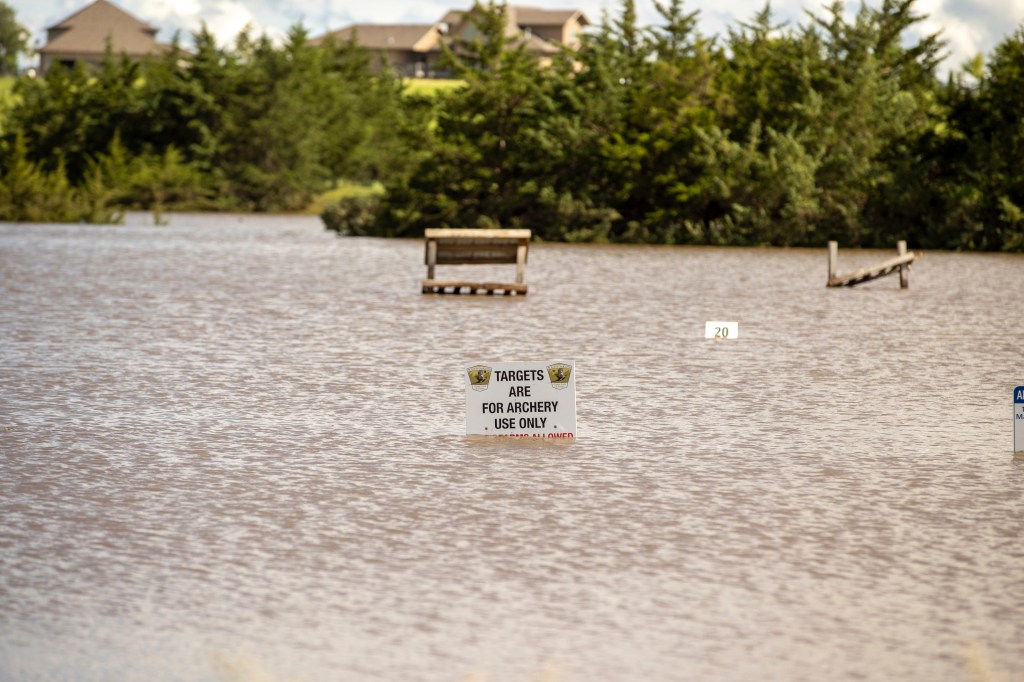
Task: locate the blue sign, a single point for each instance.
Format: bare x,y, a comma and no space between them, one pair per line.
1018,419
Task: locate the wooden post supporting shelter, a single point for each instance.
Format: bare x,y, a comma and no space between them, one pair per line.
900,263
449,246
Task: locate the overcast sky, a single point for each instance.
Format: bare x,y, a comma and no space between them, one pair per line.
969,26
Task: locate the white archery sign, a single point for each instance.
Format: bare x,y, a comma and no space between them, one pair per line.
521,399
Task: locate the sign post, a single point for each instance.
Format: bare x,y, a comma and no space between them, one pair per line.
521,399
1018,419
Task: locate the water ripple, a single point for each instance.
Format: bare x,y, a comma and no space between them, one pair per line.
232,449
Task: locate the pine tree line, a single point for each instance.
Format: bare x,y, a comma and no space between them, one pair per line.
837,129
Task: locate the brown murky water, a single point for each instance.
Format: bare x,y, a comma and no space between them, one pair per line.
232,450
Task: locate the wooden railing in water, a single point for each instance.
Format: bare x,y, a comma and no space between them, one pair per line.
446,246
900,263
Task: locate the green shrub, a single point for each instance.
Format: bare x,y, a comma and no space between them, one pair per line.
353,215
29,193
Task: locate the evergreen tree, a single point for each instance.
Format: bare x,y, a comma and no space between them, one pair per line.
975,195
14,40
499,144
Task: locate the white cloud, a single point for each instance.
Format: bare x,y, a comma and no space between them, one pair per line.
227,18
157,10
969,27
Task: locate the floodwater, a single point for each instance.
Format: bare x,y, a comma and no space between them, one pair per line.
232,449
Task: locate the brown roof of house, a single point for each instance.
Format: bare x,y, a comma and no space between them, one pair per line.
418,37
539,45
527,16
534,16
87,32
453,16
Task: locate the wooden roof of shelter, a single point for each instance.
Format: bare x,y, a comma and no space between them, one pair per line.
89,30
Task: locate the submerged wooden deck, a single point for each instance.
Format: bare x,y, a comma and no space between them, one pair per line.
436,286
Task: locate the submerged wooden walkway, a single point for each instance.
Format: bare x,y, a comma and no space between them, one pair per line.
475,247
901,263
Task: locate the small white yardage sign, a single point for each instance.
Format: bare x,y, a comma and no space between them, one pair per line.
521,399
1018,419
721,330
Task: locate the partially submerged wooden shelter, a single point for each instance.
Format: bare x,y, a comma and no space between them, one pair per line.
901,263
446,246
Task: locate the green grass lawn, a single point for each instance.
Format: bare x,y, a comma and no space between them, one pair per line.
431,86
6,84
344,189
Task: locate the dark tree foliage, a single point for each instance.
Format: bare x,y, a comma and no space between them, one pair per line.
974,197
252,127
504,146
784,136
836,129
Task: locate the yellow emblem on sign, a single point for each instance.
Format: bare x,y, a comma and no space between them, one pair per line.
479,377
559,374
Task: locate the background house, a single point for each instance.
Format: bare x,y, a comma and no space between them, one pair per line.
411,50
414,50
83,37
